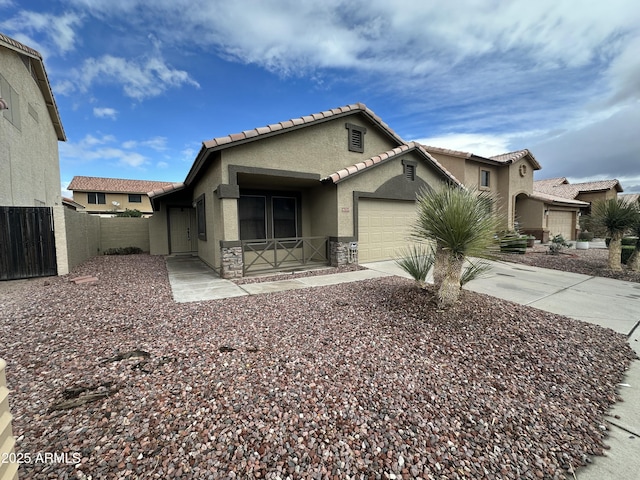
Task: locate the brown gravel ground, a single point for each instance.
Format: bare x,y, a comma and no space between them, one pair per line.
593,261
359,380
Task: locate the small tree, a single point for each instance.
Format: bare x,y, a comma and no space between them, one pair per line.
461,223
130,213
634,261
615,216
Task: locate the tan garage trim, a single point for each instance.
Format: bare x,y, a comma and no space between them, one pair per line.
384,228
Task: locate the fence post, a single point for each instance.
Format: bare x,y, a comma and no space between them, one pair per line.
8,469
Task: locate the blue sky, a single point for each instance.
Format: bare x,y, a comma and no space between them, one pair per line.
140,84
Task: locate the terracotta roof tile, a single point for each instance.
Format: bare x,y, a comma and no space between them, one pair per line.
294,122
545,197
447,151
560,187
370,162
166,189
117,185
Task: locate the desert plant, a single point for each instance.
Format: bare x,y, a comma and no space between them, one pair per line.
558,243
474,270
585,236
461,223
417,259
615,216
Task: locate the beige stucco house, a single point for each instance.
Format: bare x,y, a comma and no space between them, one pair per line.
332,187
508,176
561,203
32,228
109,196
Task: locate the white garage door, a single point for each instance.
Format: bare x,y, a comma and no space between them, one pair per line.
560,222
384,228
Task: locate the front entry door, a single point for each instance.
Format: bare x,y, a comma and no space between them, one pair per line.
182,234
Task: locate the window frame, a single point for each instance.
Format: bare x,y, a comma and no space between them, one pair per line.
135,195
265,226
269,196
482,184
97,196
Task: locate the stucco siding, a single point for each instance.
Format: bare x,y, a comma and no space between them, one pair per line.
319,149
29,160
122,200
530,213
159,233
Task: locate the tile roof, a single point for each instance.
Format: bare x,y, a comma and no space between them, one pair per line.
561,187
630,197
383,157
298,122
447,151
512,157
115,185
545,197
173,187
42,80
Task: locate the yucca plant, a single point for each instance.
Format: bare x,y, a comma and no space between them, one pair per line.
462,224
615,216
474,270
634,261
417,259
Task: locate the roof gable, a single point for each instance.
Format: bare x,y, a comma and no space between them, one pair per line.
42,80
369,163
560,187
513,157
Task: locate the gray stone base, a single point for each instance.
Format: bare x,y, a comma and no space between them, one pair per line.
232,265
339,253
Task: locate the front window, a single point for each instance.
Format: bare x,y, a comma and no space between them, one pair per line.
201,218
252,213
135,198
265,215
96,198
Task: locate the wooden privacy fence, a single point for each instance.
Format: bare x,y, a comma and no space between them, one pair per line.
27,243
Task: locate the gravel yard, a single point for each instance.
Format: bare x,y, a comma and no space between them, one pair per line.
358,380
589,262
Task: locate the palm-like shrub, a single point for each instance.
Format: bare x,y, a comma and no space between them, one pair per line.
615,216
417,259
461,223
634,261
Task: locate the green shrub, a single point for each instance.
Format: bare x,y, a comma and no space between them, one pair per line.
417,260
123,251
585,236
130,213
627,251
558,243
513,243
474,270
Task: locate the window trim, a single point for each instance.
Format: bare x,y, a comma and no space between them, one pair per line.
269,195
97,196
295,213
355,131
266,227
135,195
481,183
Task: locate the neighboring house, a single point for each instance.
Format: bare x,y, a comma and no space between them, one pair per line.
108,196
508,176
630,197
30,129
563,203
332,187
70,204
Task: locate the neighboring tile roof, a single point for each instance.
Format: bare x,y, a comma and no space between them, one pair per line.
115,185
297,122
561,188
545,197
43,80
72,203
447,151
630,197
383,157
512,157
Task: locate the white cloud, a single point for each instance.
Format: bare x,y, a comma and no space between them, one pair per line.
485,145
99,149
158,144
105,112
140,78
162,165
59,30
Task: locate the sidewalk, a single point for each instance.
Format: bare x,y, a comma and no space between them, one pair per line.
606,302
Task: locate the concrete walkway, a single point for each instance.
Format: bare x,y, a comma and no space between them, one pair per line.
609,303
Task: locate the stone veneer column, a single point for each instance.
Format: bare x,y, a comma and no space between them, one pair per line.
232,265
338,252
